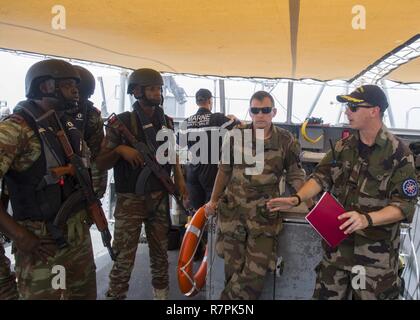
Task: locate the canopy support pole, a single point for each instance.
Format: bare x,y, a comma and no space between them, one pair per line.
289,102
222,96
316,100
389,109
123,81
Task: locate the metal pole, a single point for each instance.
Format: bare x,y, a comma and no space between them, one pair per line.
407,116
210,246
341,109
222,96
123,81
289,102
316,100
104,108
390,114
214,95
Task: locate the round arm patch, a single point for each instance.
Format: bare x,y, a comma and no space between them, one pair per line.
410,188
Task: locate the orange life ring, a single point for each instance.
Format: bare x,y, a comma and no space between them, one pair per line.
190,284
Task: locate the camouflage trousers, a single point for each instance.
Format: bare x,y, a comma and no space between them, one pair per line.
340,276
247,241
8,289
69,274
99,180
130,212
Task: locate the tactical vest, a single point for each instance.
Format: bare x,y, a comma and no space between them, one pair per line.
80,116
125,176
34,193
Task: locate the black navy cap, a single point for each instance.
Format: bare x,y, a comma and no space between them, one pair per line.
369,93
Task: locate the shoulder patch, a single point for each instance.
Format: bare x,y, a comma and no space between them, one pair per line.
344,142
346,137
410,188
96,110
16,118
91,109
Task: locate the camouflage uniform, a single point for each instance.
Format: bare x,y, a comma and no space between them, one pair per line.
19,149
8,289
365,182
94,136
131,211
247,231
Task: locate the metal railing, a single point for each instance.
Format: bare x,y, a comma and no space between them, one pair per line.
410,252
407,118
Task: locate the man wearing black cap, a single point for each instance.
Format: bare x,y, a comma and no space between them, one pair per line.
201,172
201,176
371,173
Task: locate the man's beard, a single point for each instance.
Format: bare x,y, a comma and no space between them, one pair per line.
62,105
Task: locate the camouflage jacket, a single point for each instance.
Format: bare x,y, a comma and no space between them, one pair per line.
364,183
281,156
94,135
20,147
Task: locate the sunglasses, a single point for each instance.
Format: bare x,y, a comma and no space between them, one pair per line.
265,110
353,107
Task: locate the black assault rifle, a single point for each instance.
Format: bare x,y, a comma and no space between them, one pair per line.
77,168
149,162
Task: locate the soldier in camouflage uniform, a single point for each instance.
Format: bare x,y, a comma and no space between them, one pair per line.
27,150
247,231
8,288
151,208
371,173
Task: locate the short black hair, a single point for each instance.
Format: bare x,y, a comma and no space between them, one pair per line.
260,95
202,95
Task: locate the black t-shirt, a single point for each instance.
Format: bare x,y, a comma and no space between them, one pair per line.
214,125
364,150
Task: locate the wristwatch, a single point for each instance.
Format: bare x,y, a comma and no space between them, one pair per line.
369,219
298,197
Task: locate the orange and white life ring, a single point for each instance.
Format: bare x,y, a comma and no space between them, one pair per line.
190,284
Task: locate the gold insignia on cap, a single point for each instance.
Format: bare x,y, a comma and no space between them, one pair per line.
351,99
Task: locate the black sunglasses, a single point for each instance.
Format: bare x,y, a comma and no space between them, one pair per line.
264,110
353,107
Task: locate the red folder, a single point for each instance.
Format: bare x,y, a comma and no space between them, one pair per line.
324,218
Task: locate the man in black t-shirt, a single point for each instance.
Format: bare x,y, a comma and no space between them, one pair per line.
201,171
